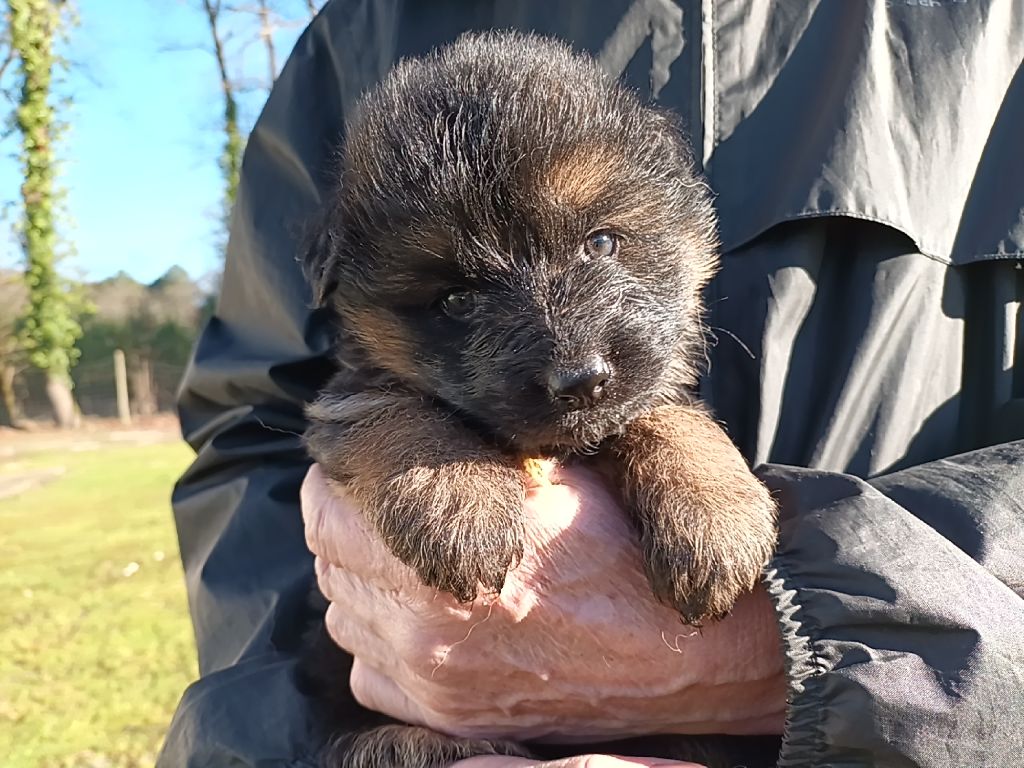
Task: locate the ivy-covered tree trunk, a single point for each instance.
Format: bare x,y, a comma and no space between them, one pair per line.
13,301
50,328
10,412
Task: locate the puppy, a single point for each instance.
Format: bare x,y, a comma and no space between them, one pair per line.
515,255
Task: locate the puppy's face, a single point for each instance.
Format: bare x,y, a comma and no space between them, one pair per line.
516,235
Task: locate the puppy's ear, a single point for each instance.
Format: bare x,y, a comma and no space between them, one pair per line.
319,257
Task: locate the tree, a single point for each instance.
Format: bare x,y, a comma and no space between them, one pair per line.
231,156
13,299
223,23
6,52
50,328
267,36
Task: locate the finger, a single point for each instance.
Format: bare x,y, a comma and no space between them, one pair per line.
378,692
335,528
358,639
337,531
352,597
398,620
322,504
578,499
405,634
607,761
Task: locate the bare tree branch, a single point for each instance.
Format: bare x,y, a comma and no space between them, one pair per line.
212,8
231,158
5,41
267,35
7,61
249,85
269,22
231,37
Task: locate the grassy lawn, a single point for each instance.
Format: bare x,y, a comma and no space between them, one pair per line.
95,642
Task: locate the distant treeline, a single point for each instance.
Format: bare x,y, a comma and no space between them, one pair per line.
54,350
155,325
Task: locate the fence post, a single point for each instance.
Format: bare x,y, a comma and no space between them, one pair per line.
121,377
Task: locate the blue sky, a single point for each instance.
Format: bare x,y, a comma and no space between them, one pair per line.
140,158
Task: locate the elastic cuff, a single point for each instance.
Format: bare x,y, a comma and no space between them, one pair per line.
802,741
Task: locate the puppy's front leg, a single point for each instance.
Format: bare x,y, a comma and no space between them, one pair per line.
707,525
445,503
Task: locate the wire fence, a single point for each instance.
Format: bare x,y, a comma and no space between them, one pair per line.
150,390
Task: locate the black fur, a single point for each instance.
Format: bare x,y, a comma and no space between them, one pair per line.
447,185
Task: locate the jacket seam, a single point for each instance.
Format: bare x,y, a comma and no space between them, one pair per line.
711,88
860,215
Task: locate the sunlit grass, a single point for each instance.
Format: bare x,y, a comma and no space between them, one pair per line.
95,642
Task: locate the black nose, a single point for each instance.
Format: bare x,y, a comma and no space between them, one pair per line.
581,386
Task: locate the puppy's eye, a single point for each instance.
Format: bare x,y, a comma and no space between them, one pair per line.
459,305
599,245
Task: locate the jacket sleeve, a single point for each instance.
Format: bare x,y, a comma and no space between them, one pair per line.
264,353
901,603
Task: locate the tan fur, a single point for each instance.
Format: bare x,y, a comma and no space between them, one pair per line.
578,179
707,525
383,337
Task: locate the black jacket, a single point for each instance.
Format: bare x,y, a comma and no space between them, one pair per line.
869,163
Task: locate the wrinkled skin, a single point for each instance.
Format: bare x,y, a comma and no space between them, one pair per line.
581,761
418,652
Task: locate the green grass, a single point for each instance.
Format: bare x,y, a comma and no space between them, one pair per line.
95,642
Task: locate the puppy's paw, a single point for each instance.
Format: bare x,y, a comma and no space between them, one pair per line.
458,526
446,504
707,525
401,746
702,569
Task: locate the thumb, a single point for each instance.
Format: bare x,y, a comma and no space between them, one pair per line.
581,761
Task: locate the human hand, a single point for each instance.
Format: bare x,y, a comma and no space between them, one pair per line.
574,649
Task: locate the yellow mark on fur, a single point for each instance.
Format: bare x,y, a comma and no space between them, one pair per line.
539,470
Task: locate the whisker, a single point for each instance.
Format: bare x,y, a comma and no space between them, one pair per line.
735,338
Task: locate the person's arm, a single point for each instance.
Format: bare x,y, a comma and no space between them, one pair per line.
898,603
263,354
901,603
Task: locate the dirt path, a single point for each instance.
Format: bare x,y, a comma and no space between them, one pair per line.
19,482
16,444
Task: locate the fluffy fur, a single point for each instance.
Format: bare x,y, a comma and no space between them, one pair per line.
508,214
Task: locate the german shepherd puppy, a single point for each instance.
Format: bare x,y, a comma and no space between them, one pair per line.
515,255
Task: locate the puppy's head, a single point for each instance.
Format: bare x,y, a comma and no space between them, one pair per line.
517,235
